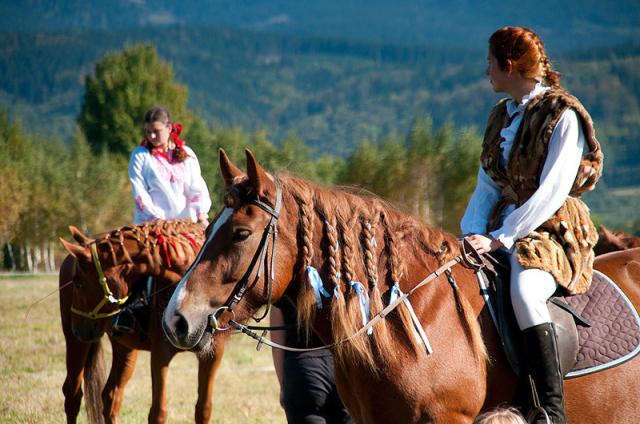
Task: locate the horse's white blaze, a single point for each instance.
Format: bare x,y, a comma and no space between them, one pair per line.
179,294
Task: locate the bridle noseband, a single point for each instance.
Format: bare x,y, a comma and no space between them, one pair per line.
270,233
108,296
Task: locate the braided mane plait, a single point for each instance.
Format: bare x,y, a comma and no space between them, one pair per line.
367,234
306,303
369,224
184,241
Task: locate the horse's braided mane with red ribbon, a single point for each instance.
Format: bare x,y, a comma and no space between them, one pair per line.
182,235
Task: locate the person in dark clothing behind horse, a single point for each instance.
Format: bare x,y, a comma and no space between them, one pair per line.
308,392
539,154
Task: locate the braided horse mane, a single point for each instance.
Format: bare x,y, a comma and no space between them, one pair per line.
362,238
167,247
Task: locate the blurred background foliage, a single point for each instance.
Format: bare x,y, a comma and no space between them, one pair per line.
400,120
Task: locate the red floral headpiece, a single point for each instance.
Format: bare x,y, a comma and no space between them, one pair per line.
176,129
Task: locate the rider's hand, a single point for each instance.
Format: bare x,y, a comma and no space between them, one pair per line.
483,243
203,219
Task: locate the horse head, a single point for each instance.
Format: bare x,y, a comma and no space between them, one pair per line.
109,266
100,285
246,260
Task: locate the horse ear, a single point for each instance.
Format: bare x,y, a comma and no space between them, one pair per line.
604,231
230,173
261,181
79,235
79,252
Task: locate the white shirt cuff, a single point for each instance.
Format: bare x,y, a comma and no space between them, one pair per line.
507,241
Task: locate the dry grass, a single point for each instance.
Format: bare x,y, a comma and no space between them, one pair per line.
32,369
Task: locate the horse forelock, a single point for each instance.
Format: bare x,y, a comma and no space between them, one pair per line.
363,239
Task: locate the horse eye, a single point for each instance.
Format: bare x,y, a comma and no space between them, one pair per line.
241,234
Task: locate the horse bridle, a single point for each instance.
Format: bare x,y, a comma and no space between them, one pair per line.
270,233
108,295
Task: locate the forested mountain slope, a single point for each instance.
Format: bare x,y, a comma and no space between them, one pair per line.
332,92
564,24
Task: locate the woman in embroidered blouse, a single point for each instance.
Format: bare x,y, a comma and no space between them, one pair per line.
539,154
165,174
167,184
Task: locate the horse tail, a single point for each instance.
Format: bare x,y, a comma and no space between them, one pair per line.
94,382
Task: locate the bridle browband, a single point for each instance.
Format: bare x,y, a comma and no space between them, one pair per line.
270,233
108,296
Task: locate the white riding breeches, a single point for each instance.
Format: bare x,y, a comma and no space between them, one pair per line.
530,290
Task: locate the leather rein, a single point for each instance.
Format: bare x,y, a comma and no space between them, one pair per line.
107,299
469,257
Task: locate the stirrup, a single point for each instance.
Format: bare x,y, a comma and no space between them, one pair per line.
126,325
535,412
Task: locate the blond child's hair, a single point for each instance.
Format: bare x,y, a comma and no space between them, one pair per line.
500,416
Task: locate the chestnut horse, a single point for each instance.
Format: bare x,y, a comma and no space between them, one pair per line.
611,241
163,250
275,232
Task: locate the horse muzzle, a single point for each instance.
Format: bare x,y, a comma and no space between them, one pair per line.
87,333
182,333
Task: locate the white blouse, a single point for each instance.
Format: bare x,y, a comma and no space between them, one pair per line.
165,190
558,174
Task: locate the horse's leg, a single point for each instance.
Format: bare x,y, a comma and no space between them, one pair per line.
207,369
161,355
122,367
76,351
76,357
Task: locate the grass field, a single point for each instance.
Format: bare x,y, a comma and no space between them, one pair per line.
32,369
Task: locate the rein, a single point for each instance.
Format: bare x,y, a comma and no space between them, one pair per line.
270,233
469,258
108,296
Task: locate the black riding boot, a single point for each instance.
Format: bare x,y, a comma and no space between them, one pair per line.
541,350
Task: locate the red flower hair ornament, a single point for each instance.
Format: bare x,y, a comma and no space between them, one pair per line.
176,129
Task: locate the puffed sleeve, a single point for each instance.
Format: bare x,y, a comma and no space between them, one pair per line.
143,202
557,177
485,196
197,191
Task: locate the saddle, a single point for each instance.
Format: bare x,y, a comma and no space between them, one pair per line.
595,331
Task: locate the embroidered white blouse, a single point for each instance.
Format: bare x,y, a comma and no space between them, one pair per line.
558,174
165,190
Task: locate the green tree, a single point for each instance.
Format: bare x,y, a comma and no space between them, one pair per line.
98,184
12,201
123,87
430,175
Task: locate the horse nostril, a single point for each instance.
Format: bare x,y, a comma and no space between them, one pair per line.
182,326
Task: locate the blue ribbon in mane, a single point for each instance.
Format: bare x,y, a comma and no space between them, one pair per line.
316,285
364,303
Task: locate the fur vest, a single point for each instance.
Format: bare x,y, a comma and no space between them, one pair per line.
563,245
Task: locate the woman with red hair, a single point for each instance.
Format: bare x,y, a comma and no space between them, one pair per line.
539,155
